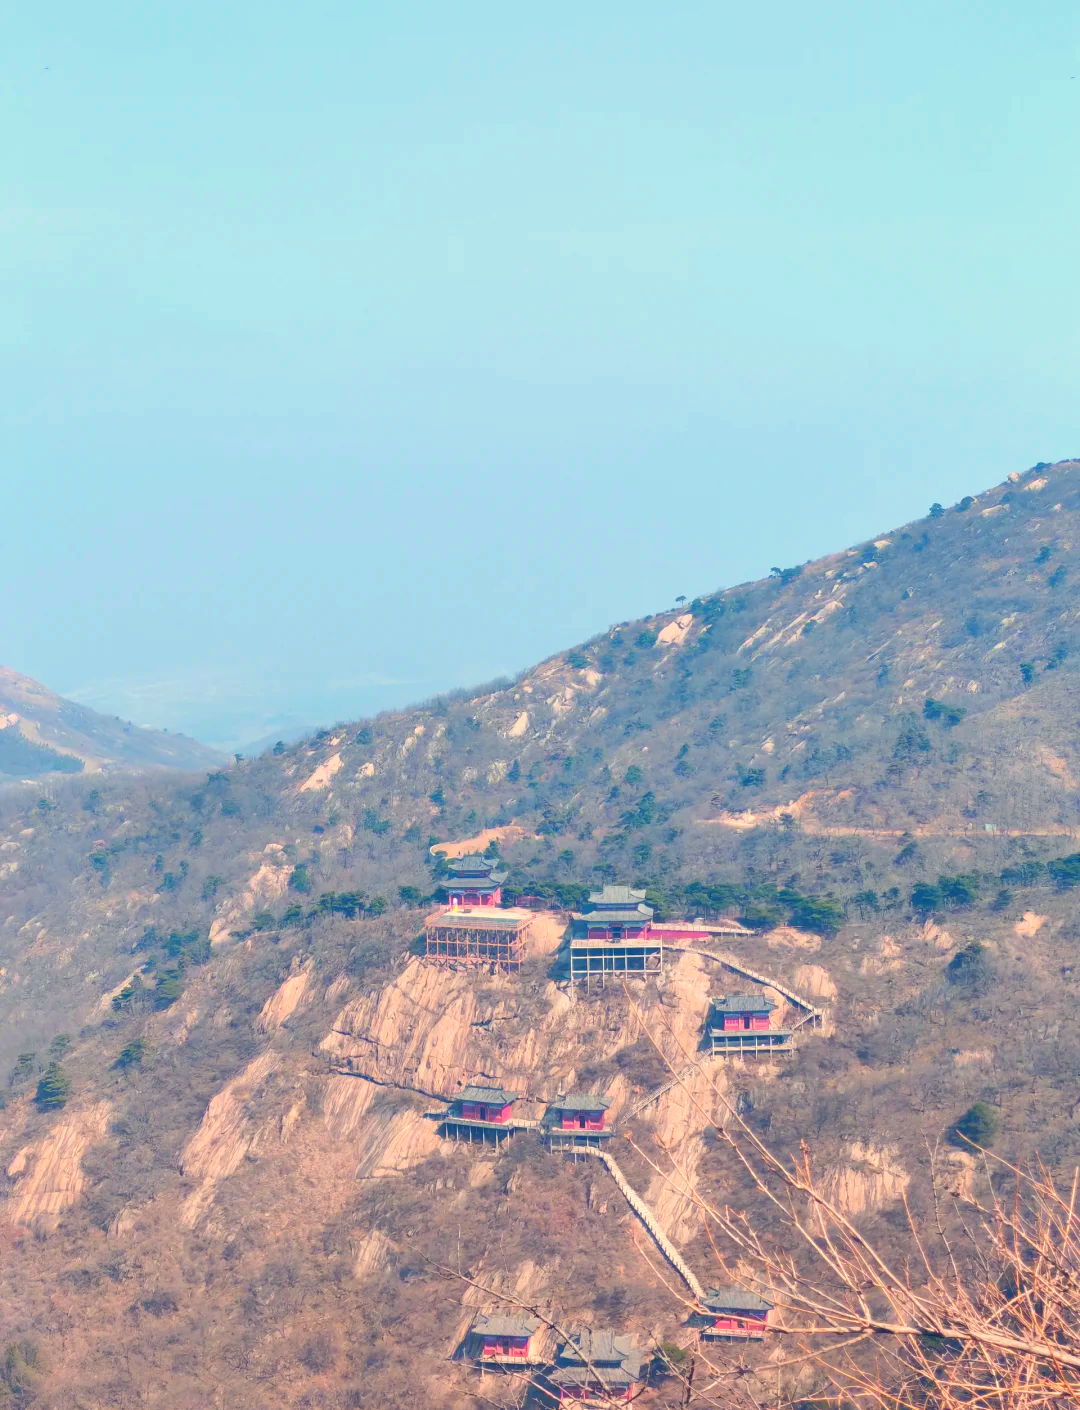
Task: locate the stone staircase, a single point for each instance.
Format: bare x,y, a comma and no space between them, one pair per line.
648,1218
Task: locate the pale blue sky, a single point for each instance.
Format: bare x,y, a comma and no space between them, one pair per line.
355,351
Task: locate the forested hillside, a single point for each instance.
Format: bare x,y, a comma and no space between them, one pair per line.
221,1041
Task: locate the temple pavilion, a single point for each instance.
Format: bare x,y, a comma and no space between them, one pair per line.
482,1114
577,1122
498,1339
597,1367
733,1314
613,936
742,1023
475,929
475,881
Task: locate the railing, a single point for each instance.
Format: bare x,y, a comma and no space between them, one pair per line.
513,1124
659,1092
813,1013
648,1218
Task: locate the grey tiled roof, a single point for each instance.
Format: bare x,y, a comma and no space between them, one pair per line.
610,1377
603,1350
486,1096
734,1300
499,1325
616,896
639,913
743,1003
472,882
580,1101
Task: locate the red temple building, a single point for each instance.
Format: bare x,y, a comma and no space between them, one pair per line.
483,1114
742,1023
475,881
597,1368
733,1314
614,936
499,1340
577,1122
475,929
619,934
616,913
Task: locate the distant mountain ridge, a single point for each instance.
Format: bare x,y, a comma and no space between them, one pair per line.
41,733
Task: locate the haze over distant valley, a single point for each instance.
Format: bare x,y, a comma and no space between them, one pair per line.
380,370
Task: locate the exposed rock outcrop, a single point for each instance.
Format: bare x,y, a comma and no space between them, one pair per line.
48,1175
873,1178
284,1001
322,776
223,1139
268,884
428,1031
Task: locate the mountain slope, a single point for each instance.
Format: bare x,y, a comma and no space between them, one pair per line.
42,733
243,1197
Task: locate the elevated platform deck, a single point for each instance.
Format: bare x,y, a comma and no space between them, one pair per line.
593,959
483,1133
472,936
558,1139
764,1040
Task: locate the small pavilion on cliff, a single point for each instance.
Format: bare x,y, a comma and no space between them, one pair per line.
742,1023
597,1367
475,881
577,1122
497,1339
733,1314
483,1114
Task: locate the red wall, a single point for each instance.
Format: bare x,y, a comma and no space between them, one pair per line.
745,1322
473,1111
506,1346
733,1022
594,1121
464,897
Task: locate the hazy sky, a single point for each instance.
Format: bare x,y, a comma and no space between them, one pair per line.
354,351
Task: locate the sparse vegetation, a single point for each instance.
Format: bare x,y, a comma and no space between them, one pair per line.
22,758
131,1054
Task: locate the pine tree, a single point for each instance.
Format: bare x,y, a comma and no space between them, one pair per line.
978,1126
53,1088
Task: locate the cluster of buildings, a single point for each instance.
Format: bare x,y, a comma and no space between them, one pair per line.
590,1365
599,1366
616,934
484,1115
